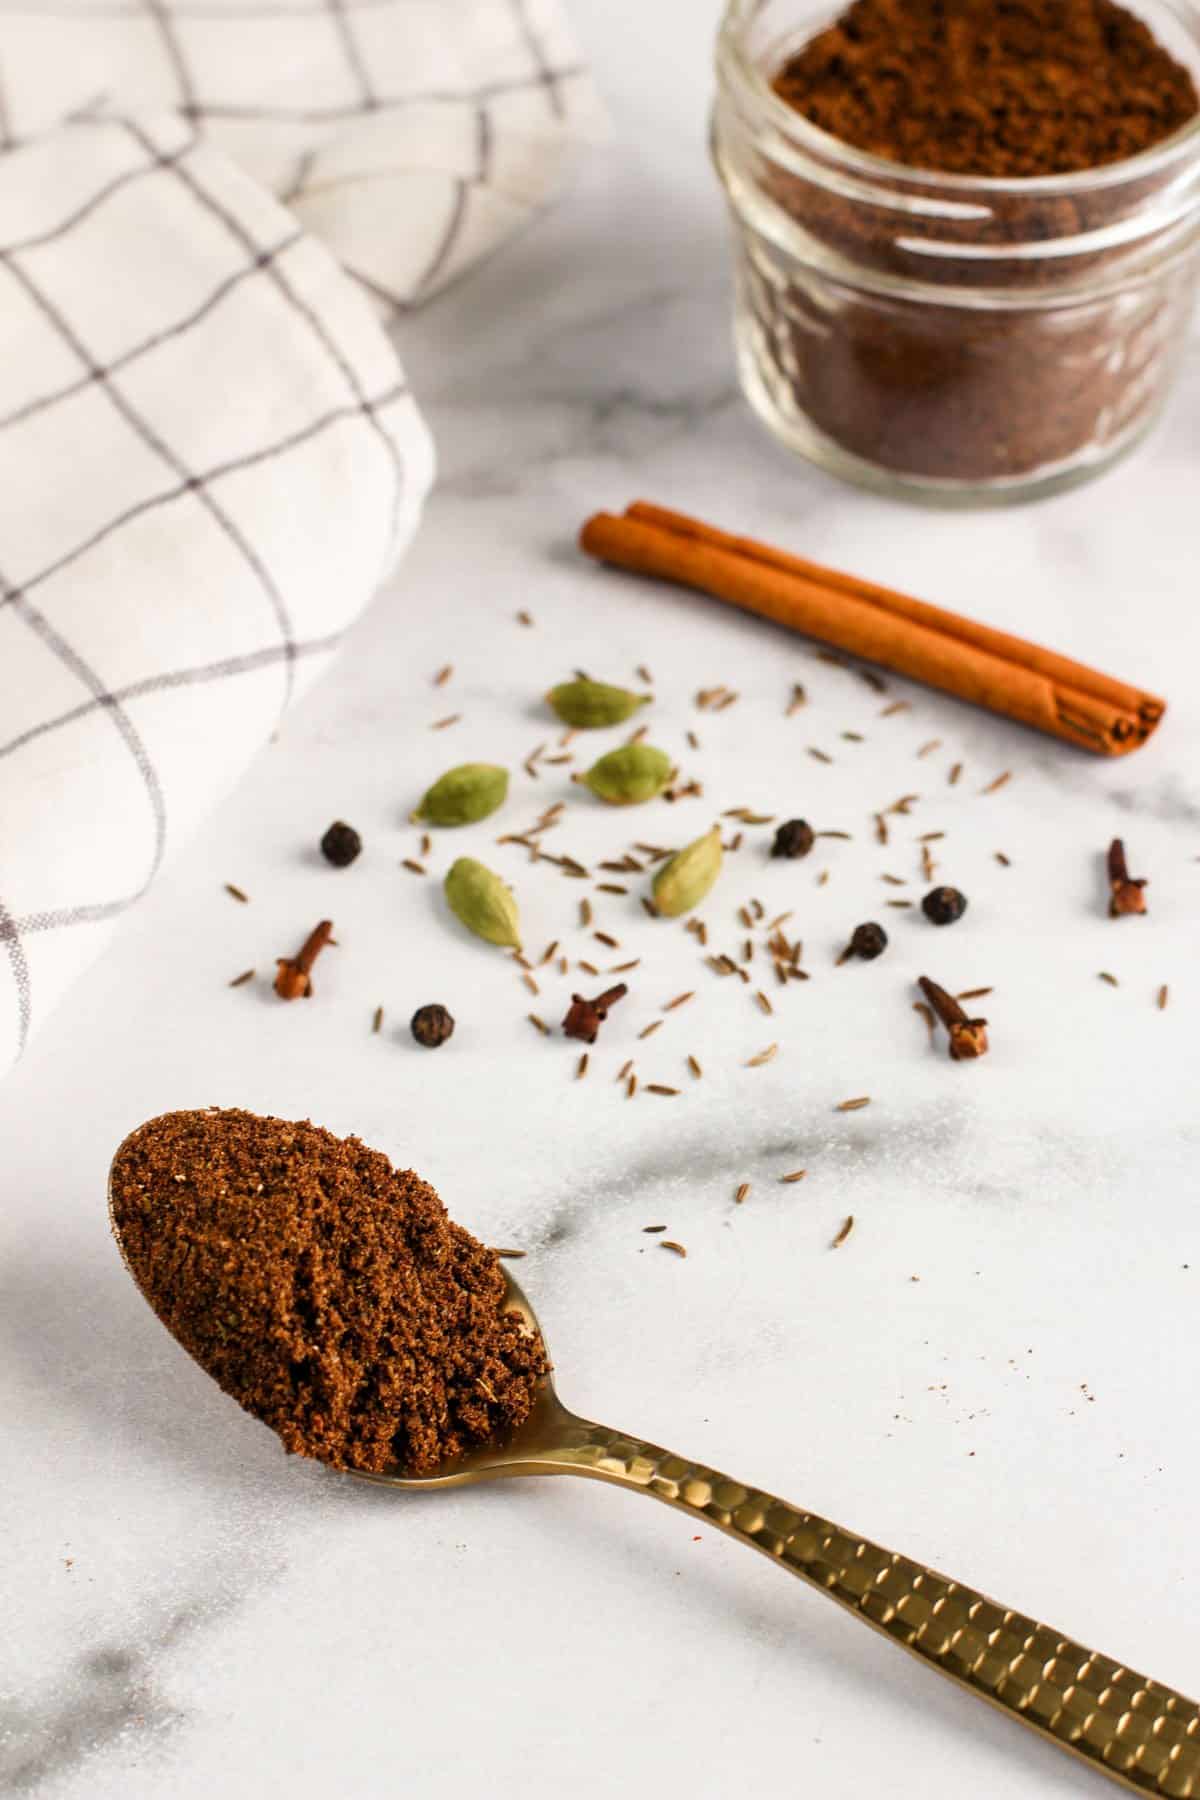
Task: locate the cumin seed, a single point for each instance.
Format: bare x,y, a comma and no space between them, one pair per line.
763,1002
680,1000
530,983
974,993
845,835
610,887
241,980
796,1175
693,741
853,1105
443,675
1164,994
656,1087
799,698
740,1193
818,755
897,903
930,747
648,907
1111,979
844,1233
897,706
538,1024
695,1068
954,774
610,943
235,893
670,1244
524,618
650,1029
623,1071
643,674
1004,861
510,1255
441,724
631,1087
581,1067
999,782
588,968
377,1021
415,867
764,1056
654,1228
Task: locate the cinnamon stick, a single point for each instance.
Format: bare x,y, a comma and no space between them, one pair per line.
973,662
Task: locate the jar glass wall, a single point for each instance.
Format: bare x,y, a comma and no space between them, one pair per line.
949,337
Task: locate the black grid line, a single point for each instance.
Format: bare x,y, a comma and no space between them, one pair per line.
354,59
18,962
445,245
163,451
233,465
165,159
84,673
547,74
199,675
483,144
303,310
177,329
174,54
320,115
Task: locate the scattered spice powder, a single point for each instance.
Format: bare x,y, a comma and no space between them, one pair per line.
236,893
326,1291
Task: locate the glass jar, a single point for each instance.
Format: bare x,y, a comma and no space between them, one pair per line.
949,337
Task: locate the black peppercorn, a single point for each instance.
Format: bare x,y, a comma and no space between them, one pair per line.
867,941
431,1026
793,839
943,905
341,844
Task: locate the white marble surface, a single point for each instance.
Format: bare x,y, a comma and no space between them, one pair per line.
188,1614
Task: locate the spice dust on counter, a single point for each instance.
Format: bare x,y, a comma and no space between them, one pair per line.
327,1292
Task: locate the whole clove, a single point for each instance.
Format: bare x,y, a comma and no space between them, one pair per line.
293,975
1126,896
585,1017
968,1037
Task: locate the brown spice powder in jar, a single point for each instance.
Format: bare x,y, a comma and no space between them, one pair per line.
327,1292
932,316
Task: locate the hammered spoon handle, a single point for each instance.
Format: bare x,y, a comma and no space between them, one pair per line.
1141,1733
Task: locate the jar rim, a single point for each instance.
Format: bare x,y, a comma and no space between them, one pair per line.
734,59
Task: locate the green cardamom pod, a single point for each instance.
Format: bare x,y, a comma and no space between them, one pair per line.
629,775
683,882
483,903
590,705
464,795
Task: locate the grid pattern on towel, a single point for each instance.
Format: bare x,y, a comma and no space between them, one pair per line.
210,459
460,117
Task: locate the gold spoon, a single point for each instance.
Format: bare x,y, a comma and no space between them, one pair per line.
1144,1735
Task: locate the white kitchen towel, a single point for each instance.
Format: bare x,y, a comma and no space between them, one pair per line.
209,458
412,135
208,454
